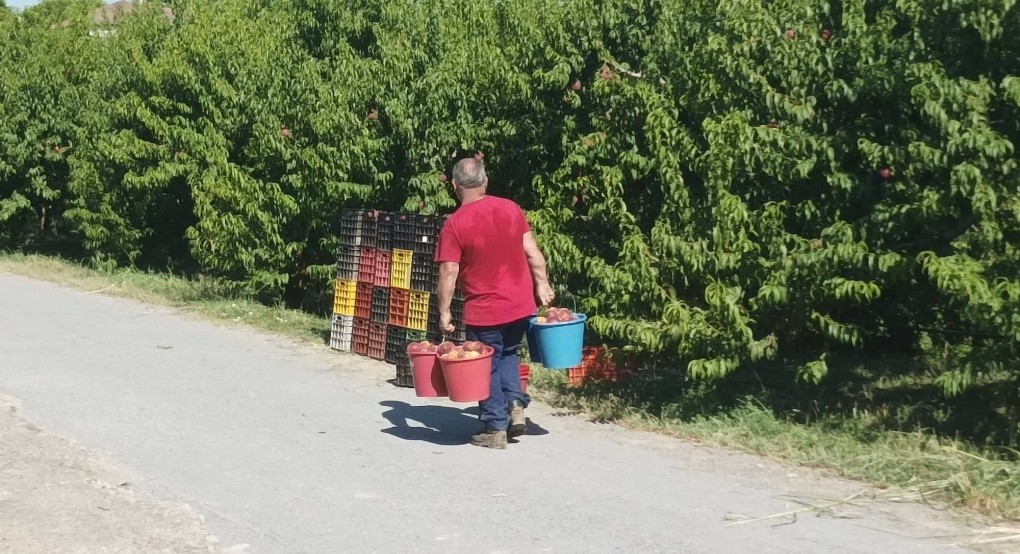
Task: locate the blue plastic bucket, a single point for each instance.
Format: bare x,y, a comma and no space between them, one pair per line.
558,344
533,352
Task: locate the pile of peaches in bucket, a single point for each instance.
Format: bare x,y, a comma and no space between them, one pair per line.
449,351
555,315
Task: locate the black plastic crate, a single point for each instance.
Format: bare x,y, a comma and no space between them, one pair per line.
349,237
350,217
424,249
404,377
348,258
424,276
369,225
350,227
380,304
424,273
457,306
433,325
423,283
456,312
423,265
427,233
429,226
384,231
396,344
404,232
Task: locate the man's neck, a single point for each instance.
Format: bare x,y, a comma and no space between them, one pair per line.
472,198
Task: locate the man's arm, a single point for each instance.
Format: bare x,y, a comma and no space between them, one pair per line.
536,262
448,272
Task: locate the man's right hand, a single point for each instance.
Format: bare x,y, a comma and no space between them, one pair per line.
545,294
446,323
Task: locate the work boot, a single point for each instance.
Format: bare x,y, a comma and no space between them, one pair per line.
490,439
518,422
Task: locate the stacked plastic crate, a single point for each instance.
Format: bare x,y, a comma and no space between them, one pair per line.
600,364
341,335
385,289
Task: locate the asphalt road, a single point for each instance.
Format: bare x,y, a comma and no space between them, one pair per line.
290,448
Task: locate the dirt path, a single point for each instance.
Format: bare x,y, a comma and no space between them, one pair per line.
275,447
57,497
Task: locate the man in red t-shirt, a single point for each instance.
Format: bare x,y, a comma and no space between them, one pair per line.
487,246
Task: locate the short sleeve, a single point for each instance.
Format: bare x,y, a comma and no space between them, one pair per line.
448,249
522,223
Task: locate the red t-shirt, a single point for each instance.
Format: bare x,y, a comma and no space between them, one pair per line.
486,237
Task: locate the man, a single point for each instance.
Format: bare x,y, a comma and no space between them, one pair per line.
487,246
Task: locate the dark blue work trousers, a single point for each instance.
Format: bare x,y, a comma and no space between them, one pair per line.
505,387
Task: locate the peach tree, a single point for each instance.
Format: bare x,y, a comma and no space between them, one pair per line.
719,183
793,178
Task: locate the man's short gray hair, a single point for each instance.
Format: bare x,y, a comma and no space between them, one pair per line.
469,173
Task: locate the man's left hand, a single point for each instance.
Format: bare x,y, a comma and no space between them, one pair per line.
545,294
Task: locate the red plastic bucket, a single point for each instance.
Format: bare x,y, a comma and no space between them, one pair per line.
468,380
525,377
428,375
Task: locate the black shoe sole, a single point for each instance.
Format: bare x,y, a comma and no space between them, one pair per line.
517,430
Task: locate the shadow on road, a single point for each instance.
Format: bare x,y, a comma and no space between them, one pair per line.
440,425
436,424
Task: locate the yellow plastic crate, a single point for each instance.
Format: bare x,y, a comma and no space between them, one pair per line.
418,311
343,297
400,269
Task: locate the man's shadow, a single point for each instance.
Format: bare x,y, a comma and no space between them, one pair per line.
440,425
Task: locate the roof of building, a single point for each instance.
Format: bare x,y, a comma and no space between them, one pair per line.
110,14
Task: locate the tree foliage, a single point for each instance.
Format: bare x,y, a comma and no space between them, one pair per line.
719,182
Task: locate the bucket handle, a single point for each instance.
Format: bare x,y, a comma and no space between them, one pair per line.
443,335
566,292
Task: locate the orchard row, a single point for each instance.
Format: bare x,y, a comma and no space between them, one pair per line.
718,183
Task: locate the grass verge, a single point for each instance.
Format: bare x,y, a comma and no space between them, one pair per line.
926,467
202,296
952,473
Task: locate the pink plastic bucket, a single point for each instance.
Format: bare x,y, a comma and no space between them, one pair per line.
468,380
428,375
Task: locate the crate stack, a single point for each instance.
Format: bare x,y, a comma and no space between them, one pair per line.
600,364
386,279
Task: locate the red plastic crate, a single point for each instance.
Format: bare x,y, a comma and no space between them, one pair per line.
575,376
366,266
626,369
596,365
525,371
601,367
363,301
382,269
359,339
399,300
376,341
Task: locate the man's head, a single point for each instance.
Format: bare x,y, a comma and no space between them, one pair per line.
469,178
